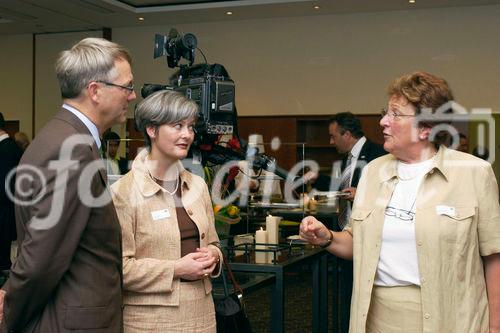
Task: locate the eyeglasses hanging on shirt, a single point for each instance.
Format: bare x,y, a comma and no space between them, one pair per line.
402,214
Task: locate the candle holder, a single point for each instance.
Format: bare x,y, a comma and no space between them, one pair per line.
272,250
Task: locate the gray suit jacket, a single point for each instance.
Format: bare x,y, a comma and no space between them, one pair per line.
68,275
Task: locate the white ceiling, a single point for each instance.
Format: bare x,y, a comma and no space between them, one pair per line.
46,16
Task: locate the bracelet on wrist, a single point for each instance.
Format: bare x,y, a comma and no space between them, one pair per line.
327,244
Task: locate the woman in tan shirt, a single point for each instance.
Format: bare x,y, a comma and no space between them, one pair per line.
424,232
170,246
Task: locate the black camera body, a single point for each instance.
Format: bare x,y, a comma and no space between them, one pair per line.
214,92
210,86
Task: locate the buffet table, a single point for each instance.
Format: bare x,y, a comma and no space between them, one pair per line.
316,258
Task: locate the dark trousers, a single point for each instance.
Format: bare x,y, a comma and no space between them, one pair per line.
345,293
5,262
342,291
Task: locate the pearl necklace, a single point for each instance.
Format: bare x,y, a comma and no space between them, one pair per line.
176,183
176,186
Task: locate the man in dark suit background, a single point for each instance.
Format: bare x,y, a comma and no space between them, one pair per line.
68,274
346,135
115,165
10,154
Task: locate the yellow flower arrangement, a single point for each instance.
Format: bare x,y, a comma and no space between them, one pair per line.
227,214
225,217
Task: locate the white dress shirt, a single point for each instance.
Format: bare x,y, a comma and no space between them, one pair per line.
87,122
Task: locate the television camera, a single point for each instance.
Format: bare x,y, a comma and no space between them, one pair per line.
211,87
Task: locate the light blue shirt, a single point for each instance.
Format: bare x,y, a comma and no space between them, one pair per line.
87,122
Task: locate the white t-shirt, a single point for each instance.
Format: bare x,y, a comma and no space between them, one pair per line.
398,262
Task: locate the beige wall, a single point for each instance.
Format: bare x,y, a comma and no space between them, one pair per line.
325,64
47,93
16,89
301,65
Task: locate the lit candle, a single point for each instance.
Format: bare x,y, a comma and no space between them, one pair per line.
260,237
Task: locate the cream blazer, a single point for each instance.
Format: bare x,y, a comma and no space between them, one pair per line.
151,236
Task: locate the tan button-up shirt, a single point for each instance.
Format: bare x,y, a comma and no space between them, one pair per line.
151,236
457,221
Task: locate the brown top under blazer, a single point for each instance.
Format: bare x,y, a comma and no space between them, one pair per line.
67,278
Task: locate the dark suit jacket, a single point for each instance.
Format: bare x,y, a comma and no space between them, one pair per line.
67,278
369,152
10,154
123,165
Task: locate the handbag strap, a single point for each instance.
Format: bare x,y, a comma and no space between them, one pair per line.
235,284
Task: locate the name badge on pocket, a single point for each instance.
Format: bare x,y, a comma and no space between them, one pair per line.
160,214
446,210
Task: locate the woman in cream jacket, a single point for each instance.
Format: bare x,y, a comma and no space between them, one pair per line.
170,247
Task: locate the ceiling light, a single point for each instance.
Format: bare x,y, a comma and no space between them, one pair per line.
141,18
229,13
412,1
316,7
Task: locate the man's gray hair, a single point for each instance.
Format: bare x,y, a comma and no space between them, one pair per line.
163,107
91,59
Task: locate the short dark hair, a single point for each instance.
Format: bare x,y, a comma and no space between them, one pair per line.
110,136
348,122
2,121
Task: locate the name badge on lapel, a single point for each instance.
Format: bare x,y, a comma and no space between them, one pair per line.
160,214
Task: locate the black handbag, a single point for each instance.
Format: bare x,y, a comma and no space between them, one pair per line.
229,309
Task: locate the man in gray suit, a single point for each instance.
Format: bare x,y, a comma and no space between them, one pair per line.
68,275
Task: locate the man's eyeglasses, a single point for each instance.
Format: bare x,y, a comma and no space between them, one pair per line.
393,115
130,87
401,214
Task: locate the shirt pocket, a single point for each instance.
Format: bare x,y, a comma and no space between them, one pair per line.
457,227
360,223
360,215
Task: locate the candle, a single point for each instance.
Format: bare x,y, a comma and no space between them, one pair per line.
304,200
312,206
260,237
272,227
